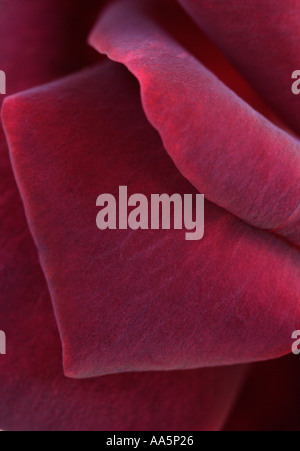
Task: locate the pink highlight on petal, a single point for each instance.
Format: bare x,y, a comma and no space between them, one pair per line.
290,221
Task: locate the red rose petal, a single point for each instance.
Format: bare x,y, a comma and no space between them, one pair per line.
34,393
262,39
143,300
226,149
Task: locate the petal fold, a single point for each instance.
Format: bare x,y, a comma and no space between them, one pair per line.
147,299
262,40
228,150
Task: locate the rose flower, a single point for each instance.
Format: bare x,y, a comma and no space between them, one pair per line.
126,330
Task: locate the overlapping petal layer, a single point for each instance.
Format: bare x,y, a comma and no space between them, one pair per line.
134,301
36,396
139,300
34,393
223,146
262,39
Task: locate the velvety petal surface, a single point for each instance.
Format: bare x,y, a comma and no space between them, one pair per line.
262,39
36,396
139,300
227,149
34,393
44,40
